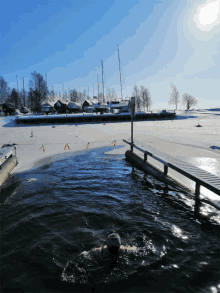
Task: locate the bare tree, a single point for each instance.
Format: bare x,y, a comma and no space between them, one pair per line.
81,97
37,91
146,97
14,98
4,90
74,96
189,101
84,96
136,94
51,97
174,96
23,94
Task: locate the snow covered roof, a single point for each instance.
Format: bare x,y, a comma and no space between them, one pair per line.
74,105
87,103
118,106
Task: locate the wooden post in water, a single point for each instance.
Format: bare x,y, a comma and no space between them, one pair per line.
145,156
132,107
165,170
197,201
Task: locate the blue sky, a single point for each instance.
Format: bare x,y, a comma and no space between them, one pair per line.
160,41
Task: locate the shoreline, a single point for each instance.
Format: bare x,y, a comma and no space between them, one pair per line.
180,138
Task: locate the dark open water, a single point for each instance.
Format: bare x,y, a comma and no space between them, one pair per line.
76,201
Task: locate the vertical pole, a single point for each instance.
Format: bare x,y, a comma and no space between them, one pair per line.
197,202
46,78
102,81
23,92
103,92
62,91
93,90
132,118
17,84
165,170
120,72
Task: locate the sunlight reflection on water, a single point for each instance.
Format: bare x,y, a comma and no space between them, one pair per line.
210,165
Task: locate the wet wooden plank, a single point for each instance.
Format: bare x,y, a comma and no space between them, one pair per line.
201,177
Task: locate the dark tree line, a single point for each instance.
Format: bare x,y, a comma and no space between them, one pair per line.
36,94
142,98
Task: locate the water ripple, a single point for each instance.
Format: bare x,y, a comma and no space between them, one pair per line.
72,206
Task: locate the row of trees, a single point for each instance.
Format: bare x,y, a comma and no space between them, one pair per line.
187,100
79,97
142,98
38,93
21,98
13,96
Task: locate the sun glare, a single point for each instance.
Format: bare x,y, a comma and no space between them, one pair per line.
208,15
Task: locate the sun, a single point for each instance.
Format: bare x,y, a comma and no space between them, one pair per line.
208,15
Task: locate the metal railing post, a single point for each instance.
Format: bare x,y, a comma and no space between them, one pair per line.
132,105
132,129
165,170
197,197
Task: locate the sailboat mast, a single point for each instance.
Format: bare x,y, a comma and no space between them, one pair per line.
120,72
23,92
102,81
17,83
98,92
46,78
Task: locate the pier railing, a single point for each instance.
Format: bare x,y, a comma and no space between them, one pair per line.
199,176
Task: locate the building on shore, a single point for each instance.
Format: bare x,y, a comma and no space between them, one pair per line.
74,107
119,106
87,105
60,107
47,107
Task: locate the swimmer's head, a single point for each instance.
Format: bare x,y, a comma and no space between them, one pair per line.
113,242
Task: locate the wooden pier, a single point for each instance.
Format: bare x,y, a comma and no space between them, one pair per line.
8,161
199,176
91,118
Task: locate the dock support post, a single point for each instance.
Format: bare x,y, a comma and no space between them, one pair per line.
165,170
197,193
132,129
145,156
132,118
197,201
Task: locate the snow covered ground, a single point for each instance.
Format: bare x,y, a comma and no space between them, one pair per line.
199,146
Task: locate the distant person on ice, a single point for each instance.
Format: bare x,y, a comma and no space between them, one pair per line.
113,247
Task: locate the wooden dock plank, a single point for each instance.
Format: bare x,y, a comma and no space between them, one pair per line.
200,176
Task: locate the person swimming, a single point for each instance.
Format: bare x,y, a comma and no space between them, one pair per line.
113,243
113,247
